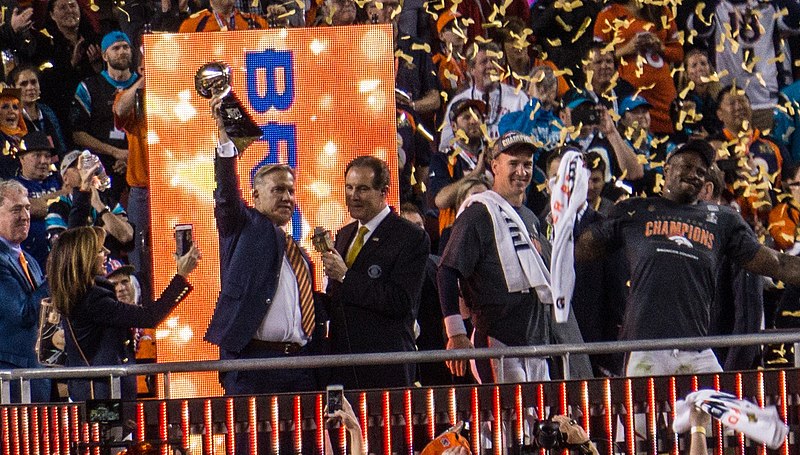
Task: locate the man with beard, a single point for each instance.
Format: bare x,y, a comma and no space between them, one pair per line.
462,159
674,245
92,117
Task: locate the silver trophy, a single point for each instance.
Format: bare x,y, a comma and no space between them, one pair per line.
214,78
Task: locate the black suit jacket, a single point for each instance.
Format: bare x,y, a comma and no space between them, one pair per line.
374,309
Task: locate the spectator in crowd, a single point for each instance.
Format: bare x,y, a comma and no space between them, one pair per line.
22,287
16,21
42,185
484,14
646,40
744,35
784,218
598,133
38,116
97,323
702,82
483,66
601,79
92,115
266,308
221,16
506,311
129,116
685,241
71,49
520,56
738,307
12,128
375,275
787,121
539,118
415,78
336,13
594,194
757,159
81,203
142,344
464,158
634,126
564,32
451,66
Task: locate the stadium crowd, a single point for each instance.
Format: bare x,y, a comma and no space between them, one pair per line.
685,116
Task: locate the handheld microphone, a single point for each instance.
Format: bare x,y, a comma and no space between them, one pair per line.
321,239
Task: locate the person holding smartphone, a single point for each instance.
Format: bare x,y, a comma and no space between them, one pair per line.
96,323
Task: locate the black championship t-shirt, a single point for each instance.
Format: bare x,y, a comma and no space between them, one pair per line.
515,319
673,251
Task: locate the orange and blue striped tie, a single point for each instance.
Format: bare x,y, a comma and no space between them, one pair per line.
300,270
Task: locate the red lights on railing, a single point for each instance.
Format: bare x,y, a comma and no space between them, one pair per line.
85,437
362,407
408,416
715,425
609,414
782,408
319,420
387,422
252,426
95,432
26,431
297,420
140,421
541,412
45,412
739,393
585,408
475,417
630,421
652,415
275,425
519,410
185,424
208,426
430,408
163,427
15,443
497,422
452,412
673,397
230,426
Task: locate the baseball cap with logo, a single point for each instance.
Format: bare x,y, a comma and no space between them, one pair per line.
462,105
35,141
513,141
69,159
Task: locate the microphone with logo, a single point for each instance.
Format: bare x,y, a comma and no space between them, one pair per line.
321,239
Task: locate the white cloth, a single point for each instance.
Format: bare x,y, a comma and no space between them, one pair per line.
523,268
759,424
567,199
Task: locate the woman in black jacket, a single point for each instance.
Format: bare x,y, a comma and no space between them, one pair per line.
96,324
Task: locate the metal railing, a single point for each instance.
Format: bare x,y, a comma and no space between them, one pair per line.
114,373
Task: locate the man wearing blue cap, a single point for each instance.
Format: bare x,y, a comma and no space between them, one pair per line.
92,116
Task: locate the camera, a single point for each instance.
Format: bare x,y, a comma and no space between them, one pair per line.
586,114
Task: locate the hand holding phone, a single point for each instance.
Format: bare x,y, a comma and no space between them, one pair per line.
335,397
184,239
322,240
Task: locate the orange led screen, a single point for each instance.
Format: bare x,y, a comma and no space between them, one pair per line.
322,96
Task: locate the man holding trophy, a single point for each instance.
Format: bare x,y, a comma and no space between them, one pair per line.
266,307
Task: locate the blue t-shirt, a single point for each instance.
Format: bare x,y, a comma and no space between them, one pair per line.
37,244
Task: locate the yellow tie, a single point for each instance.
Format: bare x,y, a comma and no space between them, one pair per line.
24,263
356,248
303,284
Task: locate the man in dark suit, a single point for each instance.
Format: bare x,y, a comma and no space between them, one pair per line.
266,305
375,278
22,287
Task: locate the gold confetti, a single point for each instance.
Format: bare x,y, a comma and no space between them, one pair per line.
421,47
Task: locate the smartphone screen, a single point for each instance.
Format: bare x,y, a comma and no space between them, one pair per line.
335,398
183,239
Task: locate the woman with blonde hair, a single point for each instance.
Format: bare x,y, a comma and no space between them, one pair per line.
96,323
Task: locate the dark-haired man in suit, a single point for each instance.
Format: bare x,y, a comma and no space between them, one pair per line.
375,278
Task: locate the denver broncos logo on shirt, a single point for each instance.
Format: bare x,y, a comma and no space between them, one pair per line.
676,230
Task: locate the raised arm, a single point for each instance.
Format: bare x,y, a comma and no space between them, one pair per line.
779,266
